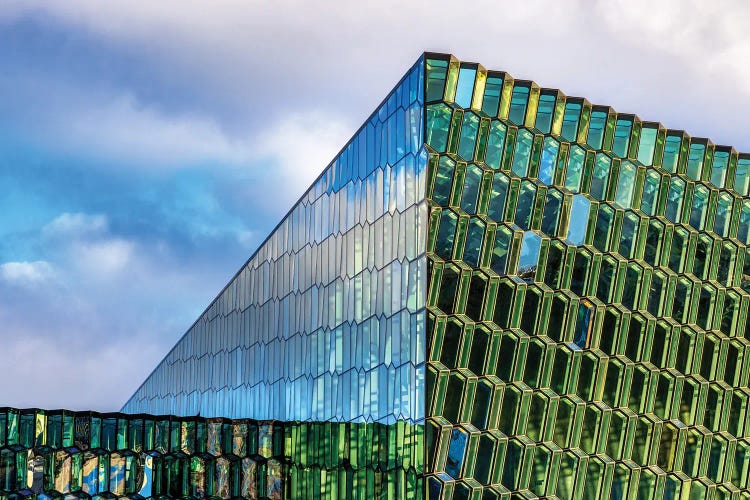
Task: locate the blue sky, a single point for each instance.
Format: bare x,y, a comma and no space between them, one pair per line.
147,148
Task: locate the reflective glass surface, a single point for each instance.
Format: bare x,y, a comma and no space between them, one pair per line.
587,311
326,320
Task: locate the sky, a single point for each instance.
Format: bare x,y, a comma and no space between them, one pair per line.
147,148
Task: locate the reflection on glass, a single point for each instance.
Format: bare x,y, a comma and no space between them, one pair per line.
579,218
529,256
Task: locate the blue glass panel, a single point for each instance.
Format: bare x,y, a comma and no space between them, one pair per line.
465,87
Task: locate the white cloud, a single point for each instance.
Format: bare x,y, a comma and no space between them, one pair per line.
26,274
105,257
75,224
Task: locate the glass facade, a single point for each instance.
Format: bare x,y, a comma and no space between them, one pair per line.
494,291
326,321
587,300
62,454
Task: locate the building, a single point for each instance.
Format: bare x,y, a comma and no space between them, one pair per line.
493,291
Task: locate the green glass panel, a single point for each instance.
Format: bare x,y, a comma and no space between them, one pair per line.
647,144
695,161
626,185
672,146
742,176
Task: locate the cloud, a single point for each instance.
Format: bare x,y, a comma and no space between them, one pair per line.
26,274
67,224
104,257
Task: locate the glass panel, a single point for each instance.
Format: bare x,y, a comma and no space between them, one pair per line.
695,161
548,164
672,153
742,176
597,125
699,207
574,171
719,167
650,192
579,217
493,89
437,69
626,184
570,120
545,111
497,199
674,199
529,256
465,87
525,209
495,145
600,179
621,142
522,153
647,144
518,102
468,140
472,181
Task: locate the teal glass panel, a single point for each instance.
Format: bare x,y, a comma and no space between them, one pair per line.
526,199
742,176
443,184
621,143
629,232
495,145
743,234
695,161
579,219
446,234
522,153
493,89
545,111
671,153
472,181
518,102
719,167
723,215
474,240
647,144
625,185
597,126
548,163
437,70
699,207
650,195
468,141
675,198
551,215
500,250
574,172
600,179
438,126
496,208
571,116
